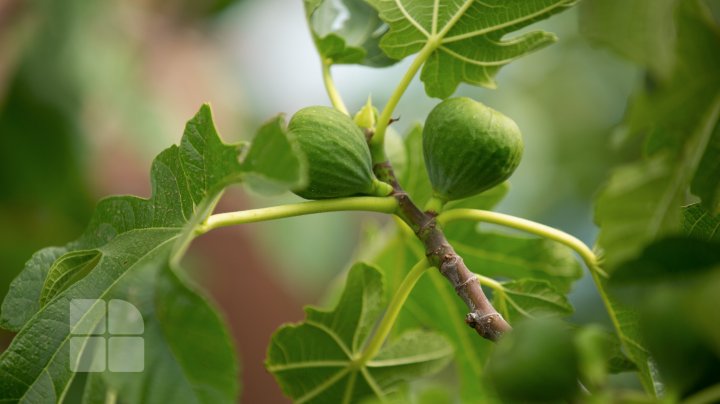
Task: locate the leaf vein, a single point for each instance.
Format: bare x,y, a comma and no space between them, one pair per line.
506,24
332,335
410,18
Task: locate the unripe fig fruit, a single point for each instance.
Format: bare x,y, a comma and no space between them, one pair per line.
536,362
469,148
339,162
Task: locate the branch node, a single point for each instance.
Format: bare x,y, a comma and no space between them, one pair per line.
467,281
490,326
448,263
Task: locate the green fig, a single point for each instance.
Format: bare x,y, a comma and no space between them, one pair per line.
469,148
339,162
536,362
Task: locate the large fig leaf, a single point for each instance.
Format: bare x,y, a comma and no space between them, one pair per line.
124,254
642,201
317,360
466,35
640,30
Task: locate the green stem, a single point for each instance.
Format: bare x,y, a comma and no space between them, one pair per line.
332,91
393,310
435,204
528,226
499,289
491,283
378,139
360,203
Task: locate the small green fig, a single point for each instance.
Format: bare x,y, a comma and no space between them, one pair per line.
339,162
536,362
469,148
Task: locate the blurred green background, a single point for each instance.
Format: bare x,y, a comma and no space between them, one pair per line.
91,91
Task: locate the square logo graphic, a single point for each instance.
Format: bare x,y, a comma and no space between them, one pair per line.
106,336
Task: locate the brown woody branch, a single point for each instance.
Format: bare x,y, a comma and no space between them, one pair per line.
482,317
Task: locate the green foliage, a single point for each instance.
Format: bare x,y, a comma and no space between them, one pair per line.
641,30
466,37
275,162
672,283
433,305
643,201
396,325
705,183
125,253
530,298
502,255
699,223
321,359
356,40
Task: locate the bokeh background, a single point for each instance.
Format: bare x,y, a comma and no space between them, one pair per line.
92,90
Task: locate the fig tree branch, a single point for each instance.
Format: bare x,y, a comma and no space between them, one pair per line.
483,317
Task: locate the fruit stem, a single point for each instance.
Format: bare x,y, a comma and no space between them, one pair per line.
332,91
381,188
360,203
435,204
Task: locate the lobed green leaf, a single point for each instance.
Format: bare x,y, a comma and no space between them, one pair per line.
318,360
129,252
467,36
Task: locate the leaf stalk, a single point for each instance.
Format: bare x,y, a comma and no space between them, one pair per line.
378,139
331,89
393,310
361,203
551,233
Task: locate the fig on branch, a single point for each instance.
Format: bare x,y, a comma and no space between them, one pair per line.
537,362
469,148
337,153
